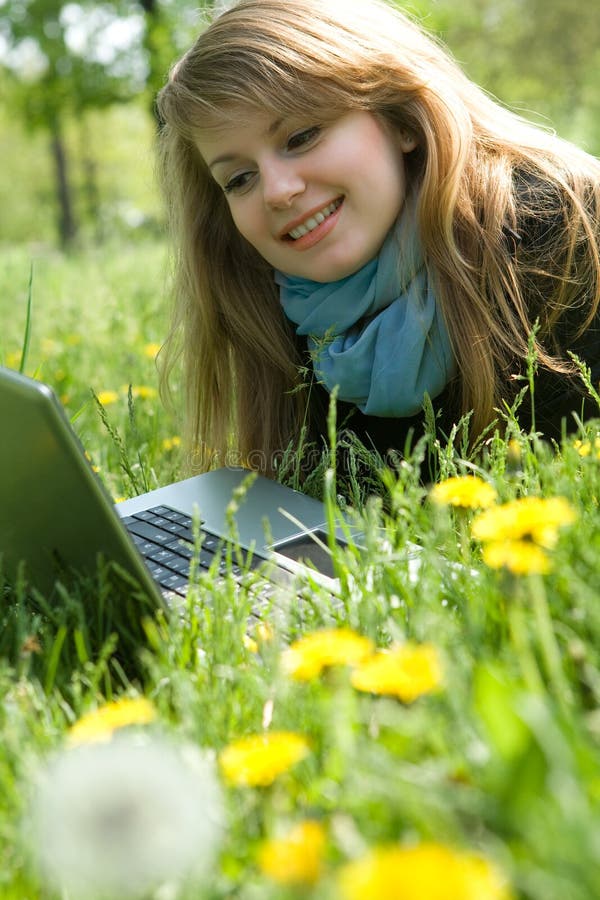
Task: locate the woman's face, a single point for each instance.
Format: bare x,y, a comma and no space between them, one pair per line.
314,200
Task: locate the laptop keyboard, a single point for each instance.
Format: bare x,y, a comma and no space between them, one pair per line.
165,539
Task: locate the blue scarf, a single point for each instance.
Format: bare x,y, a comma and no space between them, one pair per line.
378,335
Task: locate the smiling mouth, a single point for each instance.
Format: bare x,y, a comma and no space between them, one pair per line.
313,221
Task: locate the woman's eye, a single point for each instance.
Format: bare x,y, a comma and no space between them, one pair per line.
238,182
301,138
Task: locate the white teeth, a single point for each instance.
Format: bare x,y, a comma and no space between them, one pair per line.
312,222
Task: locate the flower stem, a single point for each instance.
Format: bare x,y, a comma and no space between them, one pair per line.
548,644
522,645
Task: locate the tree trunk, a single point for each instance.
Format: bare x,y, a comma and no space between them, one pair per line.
67,227
91,191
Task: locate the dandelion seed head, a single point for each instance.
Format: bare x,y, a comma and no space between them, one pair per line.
121,818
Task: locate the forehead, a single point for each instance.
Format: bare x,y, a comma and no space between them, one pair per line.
240,118
234,134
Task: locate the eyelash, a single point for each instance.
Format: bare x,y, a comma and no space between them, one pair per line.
306,136
236,183
296,141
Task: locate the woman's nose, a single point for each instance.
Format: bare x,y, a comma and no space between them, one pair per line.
281,183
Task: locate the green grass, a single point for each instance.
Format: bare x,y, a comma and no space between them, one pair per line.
95,326
117,140
503,760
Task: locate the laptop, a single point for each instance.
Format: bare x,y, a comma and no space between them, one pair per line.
57,519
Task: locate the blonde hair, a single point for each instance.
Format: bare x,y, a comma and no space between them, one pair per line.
480,172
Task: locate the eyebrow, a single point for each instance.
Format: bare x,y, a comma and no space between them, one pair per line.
228,157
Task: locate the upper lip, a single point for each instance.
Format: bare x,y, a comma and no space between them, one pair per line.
306,215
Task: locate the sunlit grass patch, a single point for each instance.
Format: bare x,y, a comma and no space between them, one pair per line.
433,729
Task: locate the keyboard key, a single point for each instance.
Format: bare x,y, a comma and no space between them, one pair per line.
159,522
209,541
173,581
180,518
180,548
177,528
144,547
179,564
163,557
150,532
157,571
144,515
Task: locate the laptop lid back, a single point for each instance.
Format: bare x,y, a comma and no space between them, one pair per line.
54,512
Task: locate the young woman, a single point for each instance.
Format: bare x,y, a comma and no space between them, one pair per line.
349,211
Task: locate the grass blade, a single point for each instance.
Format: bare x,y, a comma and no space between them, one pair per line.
28,318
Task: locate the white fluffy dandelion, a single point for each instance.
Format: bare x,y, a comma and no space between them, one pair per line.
119,819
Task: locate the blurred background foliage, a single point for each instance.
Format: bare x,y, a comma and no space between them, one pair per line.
77,82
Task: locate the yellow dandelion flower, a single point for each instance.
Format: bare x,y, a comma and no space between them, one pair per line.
119,499
264,632
93,465
296,858
143,392
307,657
424,872
171,443
257,760
100,724
107,397
514,450
467,491
405,672
151,350
534,518
250,644
519,557
585,448
13,359
49,346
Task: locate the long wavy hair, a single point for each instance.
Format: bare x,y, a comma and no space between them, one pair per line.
480,173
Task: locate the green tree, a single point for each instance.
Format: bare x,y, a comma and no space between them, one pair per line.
63,59
541,57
